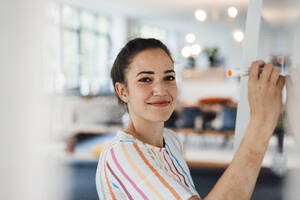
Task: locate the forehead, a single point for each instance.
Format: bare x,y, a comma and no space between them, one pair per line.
151,60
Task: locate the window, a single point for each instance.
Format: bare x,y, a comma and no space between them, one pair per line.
146,31
85,48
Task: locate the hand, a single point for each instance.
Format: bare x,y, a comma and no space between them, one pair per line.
265,93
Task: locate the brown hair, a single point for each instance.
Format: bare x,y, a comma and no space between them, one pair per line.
126,55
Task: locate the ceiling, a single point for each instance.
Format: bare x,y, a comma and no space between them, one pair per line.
274,11
186,6
162,8
280,12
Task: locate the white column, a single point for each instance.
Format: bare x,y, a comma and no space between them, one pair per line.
250,49
25,170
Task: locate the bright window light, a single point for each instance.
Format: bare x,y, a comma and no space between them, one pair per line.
238,35
196,49
186,51
190,38
232,12
200,15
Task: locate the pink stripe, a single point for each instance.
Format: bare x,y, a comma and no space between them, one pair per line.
171,167
177,170
120,182
127,177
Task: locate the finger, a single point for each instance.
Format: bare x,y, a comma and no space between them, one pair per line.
281,81
275,75
254,70
288,80
266,73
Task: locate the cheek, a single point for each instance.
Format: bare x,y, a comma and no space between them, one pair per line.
139,92
173,91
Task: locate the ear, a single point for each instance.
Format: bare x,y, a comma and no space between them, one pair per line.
121,91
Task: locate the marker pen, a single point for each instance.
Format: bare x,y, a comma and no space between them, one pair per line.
236,72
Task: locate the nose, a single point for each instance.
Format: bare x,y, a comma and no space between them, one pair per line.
159,88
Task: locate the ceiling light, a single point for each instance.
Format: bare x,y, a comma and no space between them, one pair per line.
200,15
186,51
196,49
232,12
238,35
190,38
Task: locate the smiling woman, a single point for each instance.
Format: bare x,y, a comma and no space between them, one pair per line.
145,161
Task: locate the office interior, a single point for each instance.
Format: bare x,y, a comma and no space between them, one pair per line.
206,38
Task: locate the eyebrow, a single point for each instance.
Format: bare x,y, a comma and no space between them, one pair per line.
151,72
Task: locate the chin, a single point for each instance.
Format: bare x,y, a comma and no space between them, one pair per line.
159,117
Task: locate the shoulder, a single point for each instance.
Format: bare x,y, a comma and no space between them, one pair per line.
119,138
114,149
172,136
125,152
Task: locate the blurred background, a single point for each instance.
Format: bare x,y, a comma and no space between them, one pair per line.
62,114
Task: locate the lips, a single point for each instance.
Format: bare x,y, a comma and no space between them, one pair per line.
160,103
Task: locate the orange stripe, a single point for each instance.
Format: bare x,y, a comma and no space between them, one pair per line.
132,164
106,178
155,172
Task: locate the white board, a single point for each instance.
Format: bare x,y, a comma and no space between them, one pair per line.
250,50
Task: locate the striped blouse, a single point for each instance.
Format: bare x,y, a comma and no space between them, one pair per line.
131,169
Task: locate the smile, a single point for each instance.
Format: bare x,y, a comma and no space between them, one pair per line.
160,104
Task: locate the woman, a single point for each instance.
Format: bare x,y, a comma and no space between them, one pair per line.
145,160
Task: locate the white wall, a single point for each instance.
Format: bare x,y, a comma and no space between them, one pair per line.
26,170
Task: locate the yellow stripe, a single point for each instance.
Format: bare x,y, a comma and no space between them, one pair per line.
143,177
162,180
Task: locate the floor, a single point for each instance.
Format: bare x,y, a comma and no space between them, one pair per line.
268,186
82,179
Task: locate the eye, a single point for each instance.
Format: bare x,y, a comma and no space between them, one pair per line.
145,79
170,78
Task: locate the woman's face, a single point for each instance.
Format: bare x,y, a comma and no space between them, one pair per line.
151,86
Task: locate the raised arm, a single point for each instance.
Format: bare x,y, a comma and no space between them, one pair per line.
264,95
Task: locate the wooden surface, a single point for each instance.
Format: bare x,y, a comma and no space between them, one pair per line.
101,129
195,156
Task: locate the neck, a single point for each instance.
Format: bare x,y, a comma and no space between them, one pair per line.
147,132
